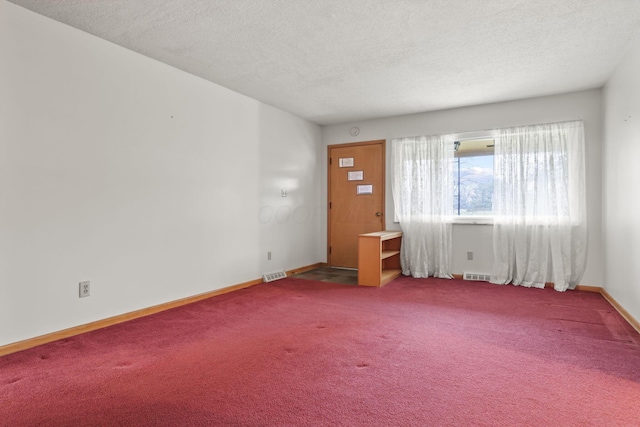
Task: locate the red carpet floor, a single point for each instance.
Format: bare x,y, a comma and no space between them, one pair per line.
417,352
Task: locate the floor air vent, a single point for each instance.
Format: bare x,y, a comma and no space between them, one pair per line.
477,276
270,277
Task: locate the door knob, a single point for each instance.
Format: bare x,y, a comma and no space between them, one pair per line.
378,213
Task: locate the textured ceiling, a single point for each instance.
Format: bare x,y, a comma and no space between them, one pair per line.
333,61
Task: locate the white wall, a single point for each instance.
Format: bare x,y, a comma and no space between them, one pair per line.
622,182
585,105
151,183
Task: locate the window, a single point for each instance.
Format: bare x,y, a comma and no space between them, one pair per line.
473,178
528,181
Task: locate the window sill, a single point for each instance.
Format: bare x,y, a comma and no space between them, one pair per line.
473,220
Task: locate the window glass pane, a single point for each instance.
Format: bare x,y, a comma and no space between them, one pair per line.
473,185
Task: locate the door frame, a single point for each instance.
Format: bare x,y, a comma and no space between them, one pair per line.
382,143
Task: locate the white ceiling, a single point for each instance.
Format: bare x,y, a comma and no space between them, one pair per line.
334,61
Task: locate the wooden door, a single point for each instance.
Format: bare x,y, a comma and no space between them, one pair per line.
356,198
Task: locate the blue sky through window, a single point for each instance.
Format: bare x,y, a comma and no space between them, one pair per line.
473,185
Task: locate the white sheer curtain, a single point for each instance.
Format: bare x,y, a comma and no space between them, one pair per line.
540,226
423,196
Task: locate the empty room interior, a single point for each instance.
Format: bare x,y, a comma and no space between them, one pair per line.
156,157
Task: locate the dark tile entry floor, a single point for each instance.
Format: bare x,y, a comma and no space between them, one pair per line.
333,275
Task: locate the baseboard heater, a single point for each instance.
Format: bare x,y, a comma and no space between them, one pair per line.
270,277
476,276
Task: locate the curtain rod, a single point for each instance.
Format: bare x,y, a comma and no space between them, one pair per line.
461,136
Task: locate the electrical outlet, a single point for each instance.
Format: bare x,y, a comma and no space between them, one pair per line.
85,289
269,256
470,255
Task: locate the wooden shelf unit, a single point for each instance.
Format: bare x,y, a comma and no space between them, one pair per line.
379,257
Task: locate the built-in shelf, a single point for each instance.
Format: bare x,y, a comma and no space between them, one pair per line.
387,254
379,257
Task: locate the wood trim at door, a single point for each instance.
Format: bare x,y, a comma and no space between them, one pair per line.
381,142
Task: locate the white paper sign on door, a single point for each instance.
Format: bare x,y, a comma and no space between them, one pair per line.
365,189
346,162
355,175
